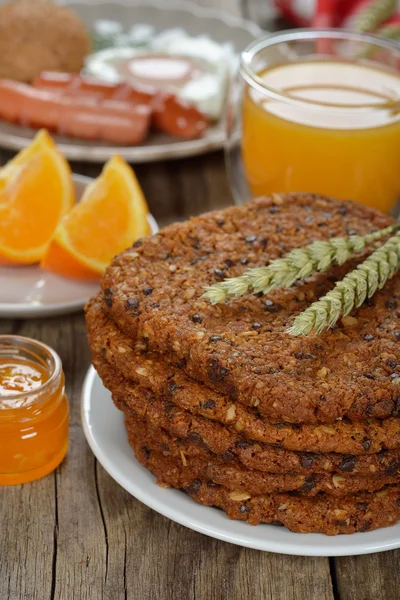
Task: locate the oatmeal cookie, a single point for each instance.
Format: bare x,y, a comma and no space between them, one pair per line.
361,512
367,437
241,348
133,359
174,464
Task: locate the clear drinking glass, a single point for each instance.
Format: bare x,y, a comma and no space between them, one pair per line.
316,111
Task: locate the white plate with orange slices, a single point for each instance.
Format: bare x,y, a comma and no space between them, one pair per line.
58,231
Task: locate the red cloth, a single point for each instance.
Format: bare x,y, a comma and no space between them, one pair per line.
325,13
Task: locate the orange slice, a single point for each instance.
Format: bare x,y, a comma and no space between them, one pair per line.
110,217
36,191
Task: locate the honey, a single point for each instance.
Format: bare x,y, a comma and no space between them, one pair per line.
19,376
33,410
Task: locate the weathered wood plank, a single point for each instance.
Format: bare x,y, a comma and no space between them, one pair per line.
177,190
27,540
276,576
370,577
151,557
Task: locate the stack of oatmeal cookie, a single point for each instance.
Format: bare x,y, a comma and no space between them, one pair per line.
223,403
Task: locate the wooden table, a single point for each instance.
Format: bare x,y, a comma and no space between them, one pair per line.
77,535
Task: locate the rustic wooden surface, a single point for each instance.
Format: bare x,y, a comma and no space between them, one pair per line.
77,535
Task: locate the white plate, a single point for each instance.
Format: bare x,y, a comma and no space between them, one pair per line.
104,429
30,292
219,26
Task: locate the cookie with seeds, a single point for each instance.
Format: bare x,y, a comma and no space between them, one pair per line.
367,437
133,359
175,464
321,514
330,515
241,348
269,459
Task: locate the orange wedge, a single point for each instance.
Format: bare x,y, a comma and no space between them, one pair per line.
110,217
36,191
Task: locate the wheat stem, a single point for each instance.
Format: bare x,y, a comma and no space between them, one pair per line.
374,14
298,264
351,291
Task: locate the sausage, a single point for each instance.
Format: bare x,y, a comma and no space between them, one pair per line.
170,114
177,117
114,121
73,84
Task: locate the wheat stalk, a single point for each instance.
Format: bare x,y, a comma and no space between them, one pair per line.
390,32
374,14
351,291
298,264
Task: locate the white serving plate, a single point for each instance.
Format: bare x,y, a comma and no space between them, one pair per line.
196,20
104,429
30,292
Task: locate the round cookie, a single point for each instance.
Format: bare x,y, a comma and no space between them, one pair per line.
369,437
133,359
270,459
331,516
173,465
241,348
320,514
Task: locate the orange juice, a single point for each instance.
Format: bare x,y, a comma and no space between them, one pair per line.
333,129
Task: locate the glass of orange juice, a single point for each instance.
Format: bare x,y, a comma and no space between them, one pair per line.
317,111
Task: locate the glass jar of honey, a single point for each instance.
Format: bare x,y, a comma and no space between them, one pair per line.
33,410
